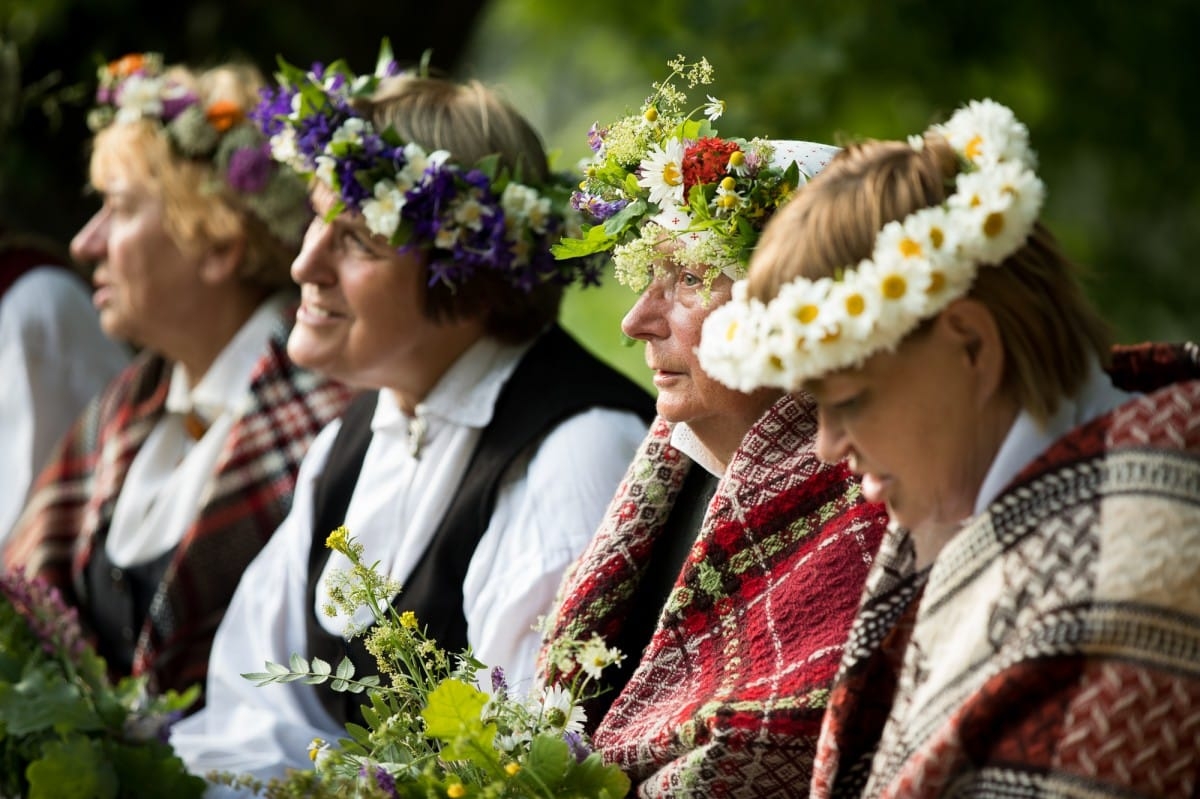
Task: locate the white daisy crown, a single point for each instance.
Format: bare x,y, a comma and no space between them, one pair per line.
661,176
919,265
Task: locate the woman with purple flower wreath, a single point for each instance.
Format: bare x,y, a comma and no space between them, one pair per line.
480,463
175,476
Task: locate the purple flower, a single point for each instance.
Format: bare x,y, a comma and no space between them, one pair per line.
383,779
596,136
499,684
250,168
577,746
596,207
273,107
174,104
48,617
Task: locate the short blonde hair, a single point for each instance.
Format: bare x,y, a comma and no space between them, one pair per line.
472,122
201,208
1050,331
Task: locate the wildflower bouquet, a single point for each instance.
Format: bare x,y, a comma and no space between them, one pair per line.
429,729
65,730
662,176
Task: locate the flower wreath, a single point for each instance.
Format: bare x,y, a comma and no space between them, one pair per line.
468,217
134,88
660,176
919,265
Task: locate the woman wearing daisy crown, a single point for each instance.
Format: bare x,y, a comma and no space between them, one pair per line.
1032,624
731,561
480,464
174,477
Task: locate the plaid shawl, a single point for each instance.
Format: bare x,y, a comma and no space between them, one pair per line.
1053,649
728,697
72,503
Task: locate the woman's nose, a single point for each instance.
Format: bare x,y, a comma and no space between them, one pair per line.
90,244
832,443
647,318
312,264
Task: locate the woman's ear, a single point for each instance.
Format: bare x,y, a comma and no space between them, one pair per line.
972,327
221,261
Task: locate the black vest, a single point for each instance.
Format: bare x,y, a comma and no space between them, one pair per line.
118,602
555,380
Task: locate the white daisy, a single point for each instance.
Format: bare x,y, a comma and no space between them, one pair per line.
560,711
987,133
594,657
714,108
662,173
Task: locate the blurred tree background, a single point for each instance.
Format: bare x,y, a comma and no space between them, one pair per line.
1105,88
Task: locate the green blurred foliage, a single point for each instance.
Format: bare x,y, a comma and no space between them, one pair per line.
1105,88
57,46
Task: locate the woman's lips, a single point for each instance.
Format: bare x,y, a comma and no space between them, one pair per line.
317,315
875,488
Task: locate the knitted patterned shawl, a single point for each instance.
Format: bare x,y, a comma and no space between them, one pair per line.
72,503
728,697
1053,649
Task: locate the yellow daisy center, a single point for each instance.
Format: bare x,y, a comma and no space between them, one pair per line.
727,201
993,226
893,287
805,314
456,791
671,175
651,114
776,363
974,147
728,183
937,281
937,237
909,248
855,304
512,768
737,158
731,331
831,335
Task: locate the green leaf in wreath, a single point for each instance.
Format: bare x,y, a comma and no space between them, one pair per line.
151,770
73,768
452,716
43,699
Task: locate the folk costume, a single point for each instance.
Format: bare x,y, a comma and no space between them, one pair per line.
1053,647
55,359
484,485
155,598
726,699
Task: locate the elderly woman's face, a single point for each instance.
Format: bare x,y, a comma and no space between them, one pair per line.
668,317
916,424
143,279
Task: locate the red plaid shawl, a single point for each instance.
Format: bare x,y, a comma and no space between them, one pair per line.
1054,647
249,495
728,697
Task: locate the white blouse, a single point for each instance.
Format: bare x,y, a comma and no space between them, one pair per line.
548,507
171,476
54,358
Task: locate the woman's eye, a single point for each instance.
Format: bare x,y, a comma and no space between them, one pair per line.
689,280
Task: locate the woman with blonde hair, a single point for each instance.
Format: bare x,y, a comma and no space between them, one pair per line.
176,475
1032,624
